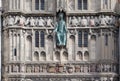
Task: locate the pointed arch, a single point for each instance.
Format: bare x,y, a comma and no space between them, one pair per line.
72,46
50,46
65,56
79,56
57,56
36,56
29,47
86,56
43,56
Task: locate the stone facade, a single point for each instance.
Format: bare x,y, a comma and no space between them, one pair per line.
29,50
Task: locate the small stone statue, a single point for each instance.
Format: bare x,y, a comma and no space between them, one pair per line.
88,20
107,19
32,22
84,22
16,20
92,21
22,68
49,22
4,21
96,21
36,21
27,21
79,21
41,22
10,21
103,21
113,20
21,20
110,20
74,22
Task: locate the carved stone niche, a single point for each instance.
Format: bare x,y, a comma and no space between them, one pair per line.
77,68
37,68
52,68
60,68
70,69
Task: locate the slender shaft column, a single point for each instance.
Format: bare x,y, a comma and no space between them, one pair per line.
22,46
17,47
10,45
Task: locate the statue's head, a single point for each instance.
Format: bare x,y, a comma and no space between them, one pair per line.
61,15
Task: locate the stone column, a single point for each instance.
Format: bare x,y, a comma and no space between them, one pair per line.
89,4
14,46
101,4
109,47
10,4
76,44
69,47
22,46
46,47
21,2
102,46
10,69
33,5
10,45
17,47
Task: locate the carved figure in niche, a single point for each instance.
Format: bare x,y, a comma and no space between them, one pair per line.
41,22
44,68
86,69
70,69
71,5
29,69
10,20
79,21
114,20
96,21
88,20
16,20
41,69
107,19
84,22
32,22
82,68
77,68
64,69
27,21
21,20
92,21
49,22
111,20
36,69
103,21
36,21
32,69
15,68
22,68
74,21
61,31
4,21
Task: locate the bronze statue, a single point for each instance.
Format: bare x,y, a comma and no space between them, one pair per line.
61,31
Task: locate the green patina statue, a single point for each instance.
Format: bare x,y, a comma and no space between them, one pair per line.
61,31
